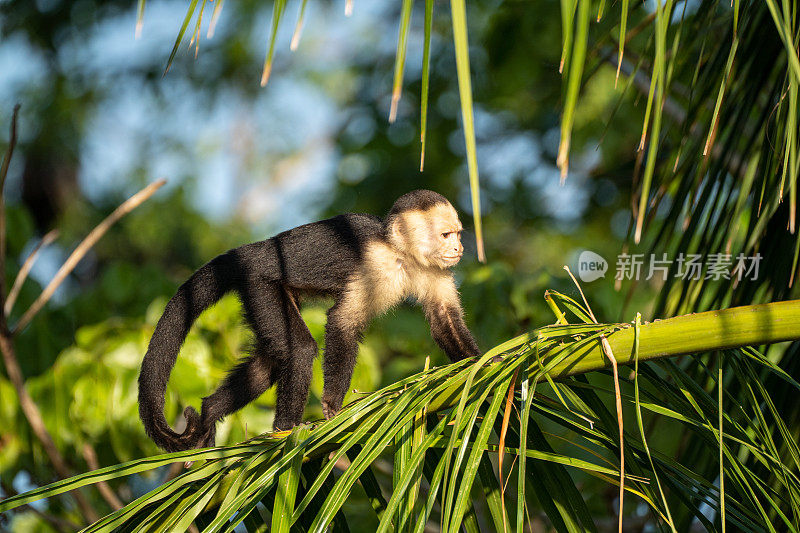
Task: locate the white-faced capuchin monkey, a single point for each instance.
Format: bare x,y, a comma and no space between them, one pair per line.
366,264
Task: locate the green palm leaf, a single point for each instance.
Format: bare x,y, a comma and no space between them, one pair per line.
463,420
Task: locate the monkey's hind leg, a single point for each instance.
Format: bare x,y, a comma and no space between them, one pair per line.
284,352
273,312
247,381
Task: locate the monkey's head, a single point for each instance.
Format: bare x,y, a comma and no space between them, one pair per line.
424,226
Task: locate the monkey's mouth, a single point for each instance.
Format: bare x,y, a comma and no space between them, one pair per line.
452,258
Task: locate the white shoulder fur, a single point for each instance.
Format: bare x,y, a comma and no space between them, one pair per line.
386,278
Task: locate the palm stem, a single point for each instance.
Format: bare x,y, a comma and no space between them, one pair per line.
750,325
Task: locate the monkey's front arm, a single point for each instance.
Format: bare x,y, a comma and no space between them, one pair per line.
449,330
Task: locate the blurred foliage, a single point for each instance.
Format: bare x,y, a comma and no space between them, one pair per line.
89,393
122,275
81,354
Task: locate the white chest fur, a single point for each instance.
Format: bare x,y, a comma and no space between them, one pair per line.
385,279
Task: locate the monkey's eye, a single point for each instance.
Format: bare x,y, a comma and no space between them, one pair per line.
446,234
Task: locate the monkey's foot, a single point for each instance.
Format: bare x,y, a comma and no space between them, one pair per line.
198,434
328,411
208,439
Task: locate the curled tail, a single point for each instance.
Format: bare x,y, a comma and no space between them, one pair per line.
202,290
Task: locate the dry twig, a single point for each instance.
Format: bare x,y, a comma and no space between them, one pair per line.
28,407
108,494
22,275
12,142
75,257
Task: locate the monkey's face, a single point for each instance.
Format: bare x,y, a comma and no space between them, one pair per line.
447,229
432,236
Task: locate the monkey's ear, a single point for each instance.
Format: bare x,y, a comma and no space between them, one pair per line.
395,234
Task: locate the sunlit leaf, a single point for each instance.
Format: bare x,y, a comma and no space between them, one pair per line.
458,11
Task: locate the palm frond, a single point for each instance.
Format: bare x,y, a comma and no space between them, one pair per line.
561,431
721,138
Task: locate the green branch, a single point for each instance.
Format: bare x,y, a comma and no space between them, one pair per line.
750,325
